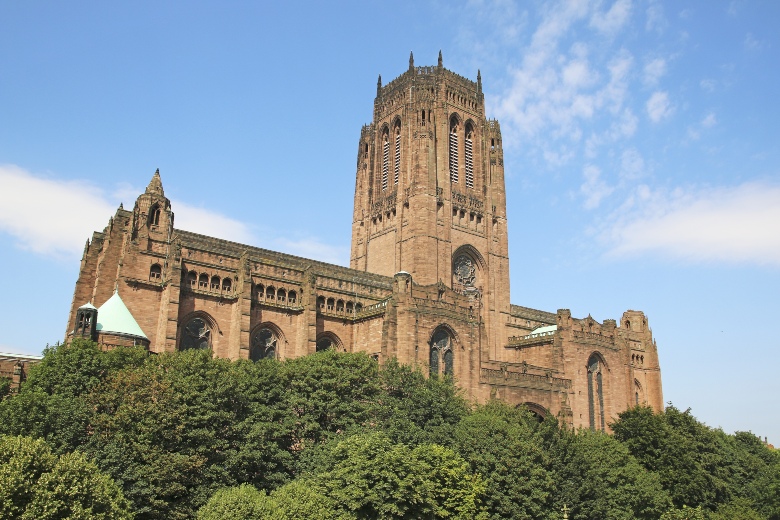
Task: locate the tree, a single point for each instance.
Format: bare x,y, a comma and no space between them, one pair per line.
299,500
239,503
499,443
371,478
5,387
36,484
599,479
414,409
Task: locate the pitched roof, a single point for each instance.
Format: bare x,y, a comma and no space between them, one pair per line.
114,317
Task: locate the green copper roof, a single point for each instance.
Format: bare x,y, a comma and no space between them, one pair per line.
114,317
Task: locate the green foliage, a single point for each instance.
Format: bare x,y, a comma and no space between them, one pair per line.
329,393
599,479
500,444
333,437
36,484
698,465
684,513
415,409
372,478
74,369
299,500
239,503
5,387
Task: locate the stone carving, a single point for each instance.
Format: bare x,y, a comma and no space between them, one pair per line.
465,271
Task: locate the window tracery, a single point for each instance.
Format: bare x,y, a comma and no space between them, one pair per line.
264,345
596,393
441,354
196,334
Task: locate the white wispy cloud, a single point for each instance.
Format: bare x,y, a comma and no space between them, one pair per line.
659,106
594,188
739,224
654,70
50,216
54,217
612,20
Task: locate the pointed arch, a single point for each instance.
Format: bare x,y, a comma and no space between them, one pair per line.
596,368
196,331
441,345
328,341
454,127
468,154
397,155
385,138
266,341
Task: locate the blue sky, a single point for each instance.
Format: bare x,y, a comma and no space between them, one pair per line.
641,150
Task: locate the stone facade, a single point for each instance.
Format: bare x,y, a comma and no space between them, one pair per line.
428,281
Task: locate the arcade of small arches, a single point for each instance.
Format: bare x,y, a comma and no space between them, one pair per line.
271,294
334,306
205,282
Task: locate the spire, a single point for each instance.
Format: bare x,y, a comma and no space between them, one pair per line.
411,60
479,81
155,185
379,85
441,62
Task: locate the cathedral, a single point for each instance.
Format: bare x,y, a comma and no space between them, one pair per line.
428,282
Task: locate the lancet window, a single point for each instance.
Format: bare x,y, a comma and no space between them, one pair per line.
155,273
469,156
397,163
442,357
453,151
596,393
385,159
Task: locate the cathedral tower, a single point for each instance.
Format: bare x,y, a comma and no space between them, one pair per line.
429,193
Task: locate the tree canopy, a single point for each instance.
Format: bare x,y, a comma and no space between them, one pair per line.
336,436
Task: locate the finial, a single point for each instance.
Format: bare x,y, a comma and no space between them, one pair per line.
441,62
479,81
411,60
155,185
121,206
378,84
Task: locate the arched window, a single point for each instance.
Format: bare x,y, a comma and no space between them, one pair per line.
215,283
292,297
453,149
321,303
226,285
155,273
441,353
340,306
468,155
358,307
596,393
192,278
281,295
324,343
154,215
264,344
327,341
385,158
350,308
397,164
331,303
196,334
260,291
638,394
270,293
203,281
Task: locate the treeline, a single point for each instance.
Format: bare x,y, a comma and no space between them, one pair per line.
334,436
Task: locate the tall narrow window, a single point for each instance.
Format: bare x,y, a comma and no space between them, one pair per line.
385,161
596,393
397,165
469,158
454,150
154,215
441,352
